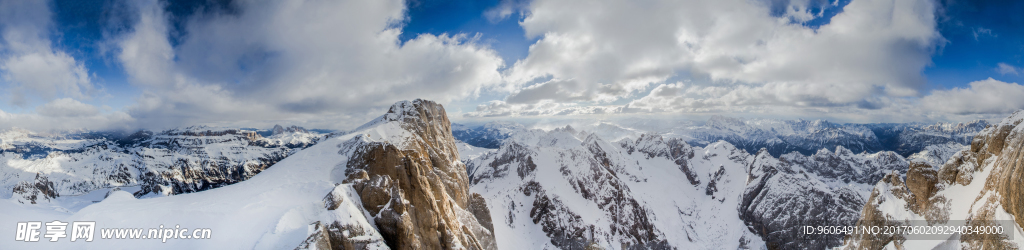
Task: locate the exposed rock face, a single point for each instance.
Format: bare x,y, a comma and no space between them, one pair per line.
414,185
38,191
871,216
347,228
194,166
478,206
785,194
952,194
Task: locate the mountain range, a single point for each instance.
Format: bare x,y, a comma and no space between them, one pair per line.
410,179
777,136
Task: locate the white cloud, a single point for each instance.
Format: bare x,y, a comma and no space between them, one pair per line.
498,13
32,69
66,107
1006,69
613,50
29,66
294,60
987,96
504,9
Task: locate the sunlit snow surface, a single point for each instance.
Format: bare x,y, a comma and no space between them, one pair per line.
272,210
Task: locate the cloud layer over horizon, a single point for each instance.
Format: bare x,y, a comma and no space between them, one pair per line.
337,64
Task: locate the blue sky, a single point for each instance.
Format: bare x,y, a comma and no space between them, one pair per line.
112,63
980,34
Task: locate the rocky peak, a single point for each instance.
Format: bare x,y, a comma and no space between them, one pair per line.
40,190
950,195
278,129
417,190
424,110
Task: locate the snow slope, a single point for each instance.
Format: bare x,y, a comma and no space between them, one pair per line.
284,207
269,211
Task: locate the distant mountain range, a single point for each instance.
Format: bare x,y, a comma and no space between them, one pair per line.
171,162
777,136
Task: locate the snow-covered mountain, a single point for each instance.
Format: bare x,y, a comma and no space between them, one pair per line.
977,187
656,192
396,182
826,188
489,135
909,138
570,190
777,136
404,181
292,137
171,162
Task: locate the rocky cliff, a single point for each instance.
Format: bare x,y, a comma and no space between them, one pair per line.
979,186
405,169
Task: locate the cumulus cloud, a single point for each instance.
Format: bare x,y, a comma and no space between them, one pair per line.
29,65
294,59
613,50
987,96
336,64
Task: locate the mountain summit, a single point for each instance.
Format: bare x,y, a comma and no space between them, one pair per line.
396,183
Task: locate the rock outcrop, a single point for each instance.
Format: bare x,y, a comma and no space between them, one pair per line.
412,183
347,228
37,191
979,186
